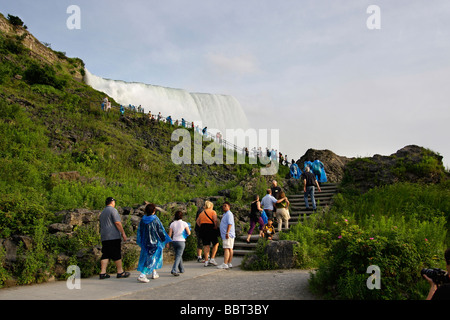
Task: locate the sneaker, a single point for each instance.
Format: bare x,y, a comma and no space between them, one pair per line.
200,260
155,275
206,263
223,266
230,265
104,276
143,279
175,274
213,262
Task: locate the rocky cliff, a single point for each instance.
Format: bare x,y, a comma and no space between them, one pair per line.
334,164
38,50
409,164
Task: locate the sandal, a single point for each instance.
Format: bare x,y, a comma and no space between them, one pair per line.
124,274
104,276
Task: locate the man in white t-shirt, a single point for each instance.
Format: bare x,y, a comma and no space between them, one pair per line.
228,234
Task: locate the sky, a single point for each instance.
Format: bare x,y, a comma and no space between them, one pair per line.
312,69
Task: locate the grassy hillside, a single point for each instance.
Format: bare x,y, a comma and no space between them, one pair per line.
60,151
52,123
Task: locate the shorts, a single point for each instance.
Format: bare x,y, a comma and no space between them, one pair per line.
228,243
208,234
111,249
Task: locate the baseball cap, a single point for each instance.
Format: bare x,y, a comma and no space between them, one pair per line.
109,200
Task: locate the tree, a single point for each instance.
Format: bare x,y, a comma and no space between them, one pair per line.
15,21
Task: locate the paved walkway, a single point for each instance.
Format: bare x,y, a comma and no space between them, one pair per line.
197,283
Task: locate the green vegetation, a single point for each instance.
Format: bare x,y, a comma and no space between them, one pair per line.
401,228
52,123
16,21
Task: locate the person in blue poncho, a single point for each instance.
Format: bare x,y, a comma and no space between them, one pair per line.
152,238
295,171
319,170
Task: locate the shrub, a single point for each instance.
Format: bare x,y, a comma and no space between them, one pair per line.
36,74
35,264
4,274
236,193
400,252
15,21
401,228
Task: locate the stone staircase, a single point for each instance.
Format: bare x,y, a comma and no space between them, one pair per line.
298,213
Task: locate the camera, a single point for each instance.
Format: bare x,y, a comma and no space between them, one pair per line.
438,276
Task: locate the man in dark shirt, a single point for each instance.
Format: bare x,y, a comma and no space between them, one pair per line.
275,189
309,184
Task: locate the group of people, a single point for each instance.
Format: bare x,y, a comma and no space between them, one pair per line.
273,205
153,238
208,229
270,154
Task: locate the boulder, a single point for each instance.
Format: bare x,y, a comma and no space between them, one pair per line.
333,164
59,227
134,220
172,206
282,253
126,210
78,217
198,202
11,247
74,218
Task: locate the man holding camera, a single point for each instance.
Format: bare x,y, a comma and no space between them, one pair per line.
440,290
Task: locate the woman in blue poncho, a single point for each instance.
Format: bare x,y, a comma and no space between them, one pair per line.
152,238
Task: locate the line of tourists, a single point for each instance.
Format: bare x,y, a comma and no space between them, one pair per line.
271,154
153,238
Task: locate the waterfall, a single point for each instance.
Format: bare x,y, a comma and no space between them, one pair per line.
217,112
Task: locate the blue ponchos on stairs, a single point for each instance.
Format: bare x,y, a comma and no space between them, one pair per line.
319,171
152,238
295,171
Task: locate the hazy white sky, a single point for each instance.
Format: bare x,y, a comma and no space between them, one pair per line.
309,68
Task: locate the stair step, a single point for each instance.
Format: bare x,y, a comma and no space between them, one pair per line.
253,238
239,252
298,214
244,245
316,195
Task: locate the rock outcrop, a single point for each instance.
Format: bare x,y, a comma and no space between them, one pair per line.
37,49
409,164
334,164
278,254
